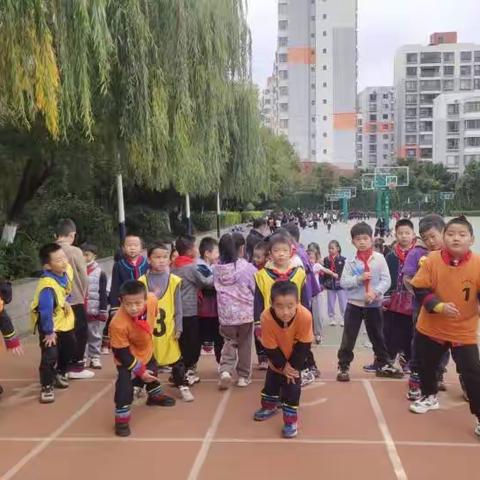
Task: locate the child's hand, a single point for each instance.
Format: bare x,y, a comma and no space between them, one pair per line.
178,335
335,276
451,310
17,351
148,377
290,372
365,276
50,340
370,296
258,331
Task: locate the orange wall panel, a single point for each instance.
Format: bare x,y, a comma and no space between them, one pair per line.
301,55
345,121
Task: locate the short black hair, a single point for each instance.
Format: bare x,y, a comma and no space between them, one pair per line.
238,240
227,249
277,238
65,227
431,221
132,287
282,289
207,244
404,222
261,246
89,247
45,252
184,243
461,220
361,228
293,230
158,246
259,222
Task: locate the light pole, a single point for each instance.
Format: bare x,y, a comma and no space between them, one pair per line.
187,214
121,209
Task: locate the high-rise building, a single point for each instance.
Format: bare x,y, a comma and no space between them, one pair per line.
422,72
375,128
316,76
268,105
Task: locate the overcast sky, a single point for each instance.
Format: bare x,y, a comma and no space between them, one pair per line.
383,25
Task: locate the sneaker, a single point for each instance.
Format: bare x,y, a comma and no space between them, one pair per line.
61,381
105,351
264,414
370,368
225,381
343,375
122,429
47,394
342,324
95,363
161,401
425,404
414,394
192,377
164,369
81,374
263,365
389,371
367,344
477,428
244,382
307,377
316,372
289,430
139,392
333,323
318,339
186,394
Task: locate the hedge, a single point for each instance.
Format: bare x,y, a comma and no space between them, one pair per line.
206,221
251,215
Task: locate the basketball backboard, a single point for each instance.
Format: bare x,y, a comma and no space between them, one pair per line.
392,176
447,195
352,191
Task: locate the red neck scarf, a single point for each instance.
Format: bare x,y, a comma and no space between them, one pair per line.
455,262
364,257
142,322
91,267
333,268
182,261
282,276
135,263
401,253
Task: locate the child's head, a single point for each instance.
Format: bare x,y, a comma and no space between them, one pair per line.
362,234
284,299
209,250
173,253
239,241
431,229
280,248
133,297
404,232
334,248
90,252
260,253
293,230
313,251
132,246
458,236
159,257
185,246
379,245
53,258
261,225
66,230
227,249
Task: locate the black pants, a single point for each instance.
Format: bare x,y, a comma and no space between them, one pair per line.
55,359
373,318
466,358
398,332
260,349
190,342
210,332
125,383
276,386
81,333
178,373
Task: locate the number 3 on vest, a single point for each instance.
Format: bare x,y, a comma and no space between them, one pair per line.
160,328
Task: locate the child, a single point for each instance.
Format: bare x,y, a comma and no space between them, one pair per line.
185,267
335,263
207,299
287,336
431,230
97,305
234,280
131,338
366,279
54,319
12,343
447,286
131,266
168,328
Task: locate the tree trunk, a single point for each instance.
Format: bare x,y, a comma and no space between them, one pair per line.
9,232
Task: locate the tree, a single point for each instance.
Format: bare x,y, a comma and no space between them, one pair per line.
467,187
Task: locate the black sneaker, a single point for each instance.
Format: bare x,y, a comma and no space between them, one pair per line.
47,394
343,375
161,401
122,429
389,371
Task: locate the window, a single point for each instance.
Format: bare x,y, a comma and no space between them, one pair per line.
453,127
411,153
313,119
448,57
430,57
385,157
476,56
465,56
426,112
476,83
425,153
324,16
313,102
372,97
312,35
284,123
372,139
412,58
283,74
324,84
282,57
449,70
282,41
324,101
411,85
472,107
465,70
430,72
452,144
325,118
324,151
472,124
476,70
372,148
282,24
452,160
283,91
472,141
430,85
386,146
325,135
284,107
448,85
324,50
471,158
411,71
410,139
324,67
465,84
313,135
385,96
312,18
313,86
359,138
453,109
324,33
373,127
426,140
411,112
314,152
427,98
373,118
425,126
282,8
385,116
410,99
411,127
385,136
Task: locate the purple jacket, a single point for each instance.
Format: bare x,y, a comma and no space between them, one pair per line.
312,288
235,286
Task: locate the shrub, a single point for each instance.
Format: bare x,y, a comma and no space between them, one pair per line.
151,225
250,215
19,259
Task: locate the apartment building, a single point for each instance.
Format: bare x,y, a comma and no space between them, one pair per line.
269,105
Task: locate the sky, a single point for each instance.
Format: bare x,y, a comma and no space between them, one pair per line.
383,26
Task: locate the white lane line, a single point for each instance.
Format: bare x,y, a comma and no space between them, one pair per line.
382,425
209,436
48,440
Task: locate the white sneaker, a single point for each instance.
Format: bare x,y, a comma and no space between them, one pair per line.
425,404
477,428
263,365
81,374
333,323
225,381
186,394
307,377
95,363
192,377
105,351
139,392
342,324
244,382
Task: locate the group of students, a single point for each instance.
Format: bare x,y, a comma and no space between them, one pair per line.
417,303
